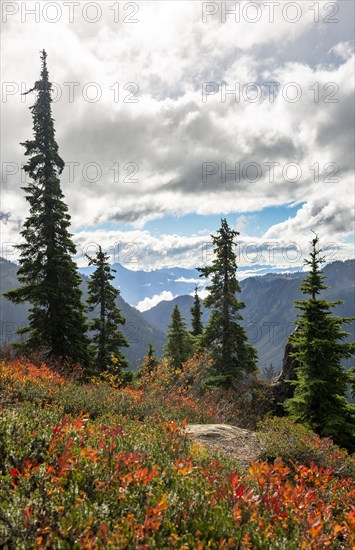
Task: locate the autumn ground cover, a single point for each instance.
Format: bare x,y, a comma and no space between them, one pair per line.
98,466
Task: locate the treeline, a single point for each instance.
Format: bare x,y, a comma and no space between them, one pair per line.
58,325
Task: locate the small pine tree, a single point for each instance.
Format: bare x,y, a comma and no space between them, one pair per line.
49,278
233,357
320,389
269,372
151,361
196,322
108,339
178,347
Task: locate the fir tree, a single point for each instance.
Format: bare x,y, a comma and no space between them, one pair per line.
49,278
178,347
269,372
196,322
151,361
319,399
233,357
108,339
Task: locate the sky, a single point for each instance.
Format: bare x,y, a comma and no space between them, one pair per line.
173,114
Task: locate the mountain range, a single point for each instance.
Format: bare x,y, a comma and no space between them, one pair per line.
269,315
137,331
144,289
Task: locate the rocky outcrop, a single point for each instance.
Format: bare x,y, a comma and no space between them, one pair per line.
238,443
282,389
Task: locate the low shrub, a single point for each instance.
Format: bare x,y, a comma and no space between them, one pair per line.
91,466
170,396
73,482
282,437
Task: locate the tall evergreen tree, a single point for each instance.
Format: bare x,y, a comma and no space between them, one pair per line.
108,339
49,278
232,356
178,347
196,322
319,399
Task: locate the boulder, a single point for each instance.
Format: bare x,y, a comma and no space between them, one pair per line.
216,432
238,443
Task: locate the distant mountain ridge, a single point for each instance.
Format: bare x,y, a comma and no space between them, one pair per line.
137,331
138,285
269,315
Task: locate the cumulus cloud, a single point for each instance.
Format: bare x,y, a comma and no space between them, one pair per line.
186,280
131,163
343,49
323,215
148,303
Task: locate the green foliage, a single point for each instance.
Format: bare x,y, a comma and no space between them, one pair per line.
320,389
73,482
178,347
161,393
295,443
196,322
151,362
233,357
352,380
47,273
118,478
108,339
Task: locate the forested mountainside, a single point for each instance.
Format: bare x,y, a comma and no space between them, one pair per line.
137,330
269,314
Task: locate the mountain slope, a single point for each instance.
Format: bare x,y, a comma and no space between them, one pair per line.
137,330
137,285
269,315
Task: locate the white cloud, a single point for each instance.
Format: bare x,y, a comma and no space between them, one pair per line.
284,245
186,280
345,50
148,303
171,132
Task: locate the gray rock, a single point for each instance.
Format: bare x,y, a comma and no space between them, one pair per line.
237,443
217,432
282,389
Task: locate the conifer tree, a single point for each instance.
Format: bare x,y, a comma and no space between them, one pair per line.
178,346
196,322
233,357
151,361
108,339
319,399
49,278
269,372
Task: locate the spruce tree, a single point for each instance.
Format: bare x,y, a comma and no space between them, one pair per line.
233,357
196,322
319,399
178,347
107,339
49,278
151,361
269,372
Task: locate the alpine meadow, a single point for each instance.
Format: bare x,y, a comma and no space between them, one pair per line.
177,304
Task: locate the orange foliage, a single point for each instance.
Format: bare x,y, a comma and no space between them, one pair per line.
22,370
